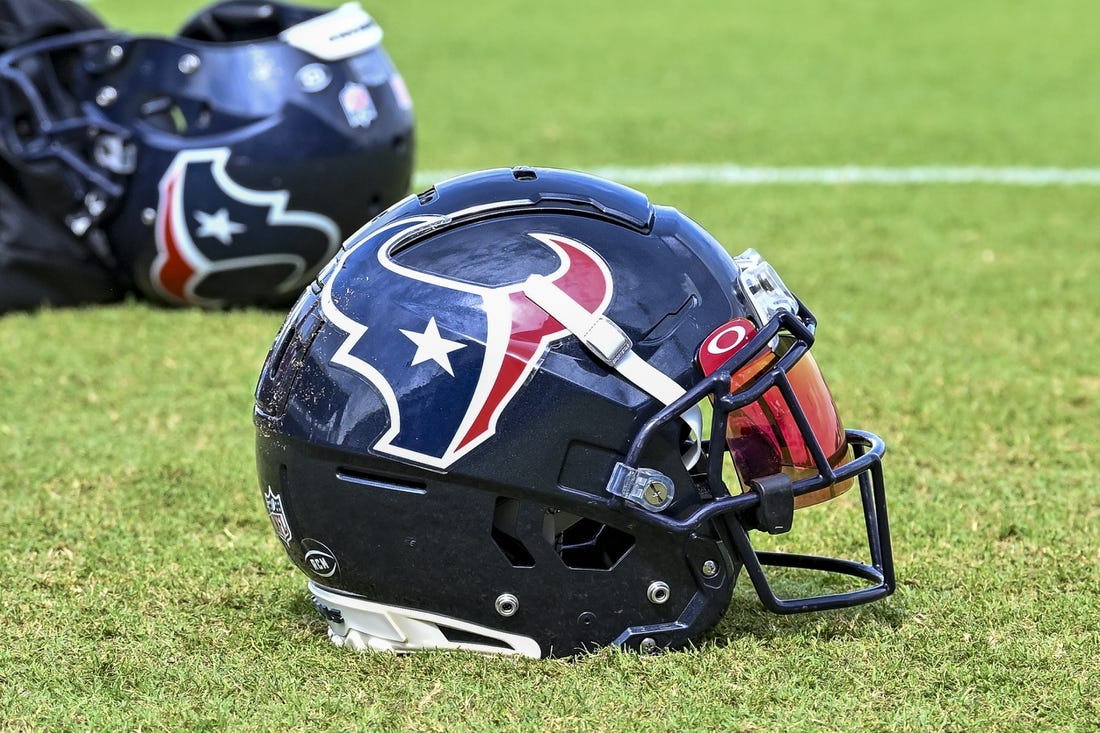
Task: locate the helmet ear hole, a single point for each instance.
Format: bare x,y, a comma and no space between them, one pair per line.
164,114
233,21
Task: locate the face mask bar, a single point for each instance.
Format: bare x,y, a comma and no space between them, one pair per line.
61,124
768,502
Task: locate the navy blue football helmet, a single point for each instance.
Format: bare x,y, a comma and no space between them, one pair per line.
526,411
221,166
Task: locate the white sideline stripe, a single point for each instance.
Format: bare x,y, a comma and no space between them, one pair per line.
736,175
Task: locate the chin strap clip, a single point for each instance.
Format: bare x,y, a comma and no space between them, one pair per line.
775,513
649,489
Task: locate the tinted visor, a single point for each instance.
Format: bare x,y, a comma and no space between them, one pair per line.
765,436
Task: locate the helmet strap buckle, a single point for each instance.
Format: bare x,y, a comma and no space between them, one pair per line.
644,487
775,512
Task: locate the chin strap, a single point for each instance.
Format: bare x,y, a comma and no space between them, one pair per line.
603,337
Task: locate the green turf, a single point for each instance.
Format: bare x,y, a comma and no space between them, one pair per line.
143,588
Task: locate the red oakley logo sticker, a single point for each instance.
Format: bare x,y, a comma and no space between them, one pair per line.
724,342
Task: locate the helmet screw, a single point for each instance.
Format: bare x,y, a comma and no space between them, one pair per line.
148,216
710,568
657,592
115,53
189,63
94,203
656,493
106,96
507,604
647,645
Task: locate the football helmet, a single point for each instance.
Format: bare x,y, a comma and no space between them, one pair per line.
526,411
220,166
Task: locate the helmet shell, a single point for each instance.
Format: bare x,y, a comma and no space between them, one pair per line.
415,518
224,165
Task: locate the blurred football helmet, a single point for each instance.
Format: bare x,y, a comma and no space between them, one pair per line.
221,166
482,427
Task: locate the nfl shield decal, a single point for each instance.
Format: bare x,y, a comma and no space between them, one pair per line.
483,341
278,516
208,227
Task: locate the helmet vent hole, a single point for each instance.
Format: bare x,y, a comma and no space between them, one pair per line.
427,196
389,483
524,174
399,143
462,636
585,544
505,533
205,116
165,115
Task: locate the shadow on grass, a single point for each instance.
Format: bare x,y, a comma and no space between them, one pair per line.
304,615
747,618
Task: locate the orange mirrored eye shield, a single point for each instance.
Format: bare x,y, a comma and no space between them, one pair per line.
718,386
768,502
764,437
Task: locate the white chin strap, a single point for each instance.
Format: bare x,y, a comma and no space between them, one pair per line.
609,344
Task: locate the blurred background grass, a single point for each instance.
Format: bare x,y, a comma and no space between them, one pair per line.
794,82
144,587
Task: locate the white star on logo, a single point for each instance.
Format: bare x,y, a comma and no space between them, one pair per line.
431,345
218,225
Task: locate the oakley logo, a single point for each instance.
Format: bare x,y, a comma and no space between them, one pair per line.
724,342
727,339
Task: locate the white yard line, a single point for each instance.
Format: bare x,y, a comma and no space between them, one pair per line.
736,175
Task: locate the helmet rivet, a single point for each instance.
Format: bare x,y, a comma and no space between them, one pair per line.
115,53
507,604
656,493
148,216
657,592
647,645
189,63
106,96
710,568
94,203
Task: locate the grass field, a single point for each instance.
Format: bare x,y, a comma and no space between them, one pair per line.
142,586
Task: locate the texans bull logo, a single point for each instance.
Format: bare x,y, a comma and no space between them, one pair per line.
220,243
474,344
